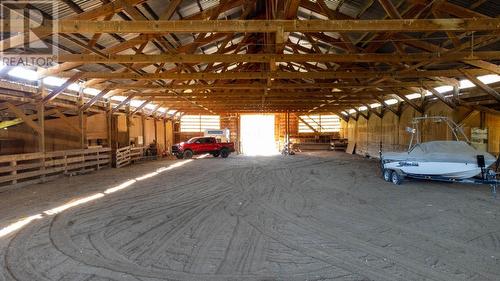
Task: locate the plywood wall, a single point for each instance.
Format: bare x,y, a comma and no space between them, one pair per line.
160,135
18,139
135,129
493,125
58,136
390,131
169,129
149,131
97,126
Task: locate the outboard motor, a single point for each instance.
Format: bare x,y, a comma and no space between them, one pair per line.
481,164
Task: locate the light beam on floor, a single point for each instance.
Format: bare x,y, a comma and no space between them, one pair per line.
73,203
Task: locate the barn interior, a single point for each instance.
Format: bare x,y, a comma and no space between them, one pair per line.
97,95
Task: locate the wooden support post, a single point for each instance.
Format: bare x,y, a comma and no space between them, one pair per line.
143,126
98,165
456,92
127,112
288,131
81,119
156,135
13,164
41,124
109,119
41,136
167,149
238,132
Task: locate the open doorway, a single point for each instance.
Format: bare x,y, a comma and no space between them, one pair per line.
257,134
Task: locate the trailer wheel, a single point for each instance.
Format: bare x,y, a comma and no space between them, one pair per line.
188,154
387,175
396,178
224,153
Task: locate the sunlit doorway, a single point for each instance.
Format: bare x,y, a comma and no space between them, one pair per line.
257,135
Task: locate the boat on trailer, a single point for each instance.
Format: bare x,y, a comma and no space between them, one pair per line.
450,160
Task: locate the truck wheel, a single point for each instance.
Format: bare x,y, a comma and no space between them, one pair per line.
216,154
396,178
224,153
387,175
188,154
179,156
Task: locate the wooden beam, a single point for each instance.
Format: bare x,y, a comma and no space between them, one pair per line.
73,6
386,106
124,102
94,99
484,65
266,58
374,111
331,15
261,26
450,8
63,87
44,31
291,9
340,115
361,113
278,75
390,9
441,97
157,107
141,106
29,121
487,89
275,85
307,124
170,10
409,102
10,123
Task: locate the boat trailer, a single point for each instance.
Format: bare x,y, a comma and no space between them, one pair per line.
488,176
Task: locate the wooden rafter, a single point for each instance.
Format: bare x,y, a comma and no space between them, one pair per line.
277,71
122,103
276,75
265,58
20,114
263,26
487,89
75,77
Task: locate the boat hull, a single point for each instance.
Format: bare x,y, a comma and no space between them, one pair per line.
442,169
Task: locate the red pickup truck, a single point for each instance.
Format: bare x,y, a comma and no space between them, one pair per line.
200,145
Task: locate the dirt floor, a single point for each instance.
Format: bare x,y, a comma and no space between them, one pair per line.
312,216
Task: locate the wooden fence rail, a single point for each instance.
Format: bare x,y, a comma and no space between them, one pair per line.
126,155
30,168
